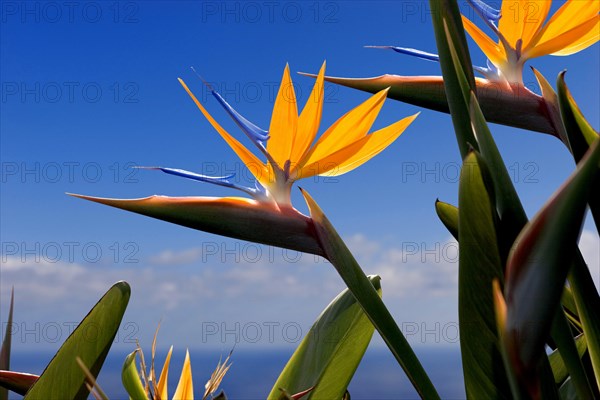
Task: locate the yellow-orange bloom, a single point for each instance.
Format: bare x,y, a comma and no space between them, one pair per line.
523,34
291,152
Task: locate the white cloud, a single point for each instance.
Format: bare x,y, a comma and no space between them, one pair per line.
589,243
279,286
413,270
170,257
257,283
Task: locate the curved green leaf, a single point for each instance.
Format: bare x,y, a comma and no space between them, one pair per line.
580,133
550,106
131,378
91,340
538,266
580,136
448,214
329,354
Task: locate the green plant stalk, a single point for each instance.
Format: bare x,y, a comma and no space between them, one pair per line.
446,12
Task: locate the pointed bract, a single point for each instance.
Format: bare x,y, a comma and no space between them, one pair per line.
234,217
513,106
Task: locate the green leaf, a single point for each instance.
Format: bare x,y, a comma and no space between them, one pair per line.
580,136
512,218
131,378
91,341
91,383
479,266
559,369
359,285
538,266
6,344
331,351
550,106
17,382
580,133
448,214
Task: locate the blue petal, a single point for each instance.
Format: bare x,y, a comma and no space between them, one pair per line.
489,72
259,192
258,135
260,189
487,12
255,133
218,180
492,73
411,52
491,66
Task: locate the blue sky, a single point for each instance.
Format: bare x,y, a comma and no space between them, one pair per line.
90,89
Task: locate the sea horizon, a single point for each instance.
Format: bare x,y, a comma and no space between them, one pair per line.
254,371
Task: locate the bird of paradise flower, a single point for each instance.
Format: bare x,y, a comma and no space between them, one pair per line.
292,152
523,35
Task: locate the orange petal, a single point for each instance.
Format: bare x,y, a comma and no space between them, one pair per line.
572,14
566,40
310,119
512,20
356,153
185,387
330,161
161,386
491,49
284,121
522,19
253,163
583,42
376,142
352,126
535,13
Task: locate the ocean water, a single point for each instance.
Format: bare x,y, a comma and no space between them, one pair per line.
253,372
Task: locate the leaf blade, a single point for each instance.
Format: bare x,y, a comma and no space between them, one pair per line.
63,378
328,356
